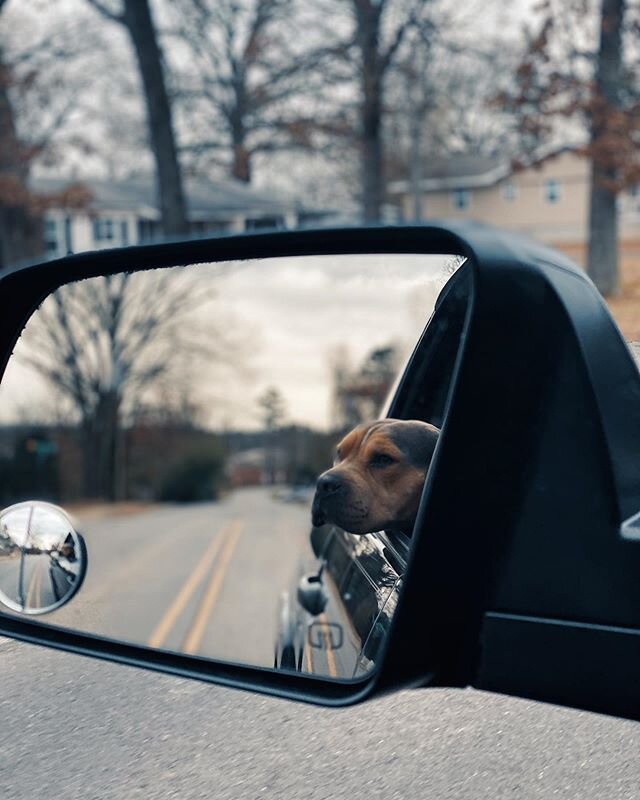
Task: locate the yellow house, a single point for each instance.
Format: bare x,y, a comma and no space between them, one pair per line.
548,201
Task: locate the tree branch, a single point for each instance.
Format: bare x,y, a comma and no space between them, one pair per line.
107,12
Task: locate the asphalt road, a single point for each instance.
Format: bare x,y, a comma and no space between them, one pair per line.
79,729
203,579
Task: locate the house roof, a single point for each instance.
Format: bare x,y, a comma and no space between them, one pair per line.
464,171
205,199
469,171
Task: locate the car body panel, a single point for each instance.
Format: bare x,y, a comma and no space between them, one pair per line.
359,574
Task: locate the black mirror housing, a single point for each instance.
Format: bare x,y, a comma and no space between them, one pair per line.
523,570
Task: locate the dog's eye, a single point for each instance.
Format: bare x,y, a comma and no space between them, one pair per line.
381,460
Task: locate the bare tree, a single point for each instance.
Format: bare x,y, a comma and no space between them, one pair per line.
135,16
20,227
113,345
580,71
375,57
273,408
441,96
246,69
415,91
369,38
358,394
34,112
608,126
20,236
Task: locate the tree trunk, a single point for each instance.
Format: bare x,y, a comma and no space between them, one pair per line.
602,258
101,465
137,18
20,228
368,22
20,236
90,449
241,164
416,163
372,179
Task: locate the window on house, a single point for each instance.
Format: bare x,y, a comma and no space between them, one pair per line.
552,190
148,230
509,191
460,199
50,234
103,230
252,224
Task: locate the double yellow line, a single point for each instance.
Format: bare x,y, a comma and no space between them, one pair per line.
34,593
216,559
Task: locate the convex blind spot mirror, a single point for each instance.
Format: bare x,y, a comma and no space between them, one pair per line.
193,417
43,559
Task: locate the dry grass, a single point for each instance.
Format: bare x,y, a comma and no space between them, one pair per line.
625,305
100,510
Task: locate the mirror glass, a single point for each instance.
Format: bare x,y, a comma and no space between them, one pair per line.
212,429
42,558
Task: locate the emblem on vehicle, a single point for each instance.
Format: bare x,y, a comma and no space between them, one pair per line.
325,635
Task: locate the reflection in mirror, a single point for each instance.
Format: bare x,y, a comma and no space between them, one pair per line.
42,558
184,416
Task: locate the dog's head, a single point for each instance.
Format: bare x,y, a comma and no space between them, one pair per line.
377,478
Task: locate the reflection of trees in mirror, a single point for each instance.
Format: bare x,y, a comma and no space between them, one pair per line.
359,393
273,407
120,348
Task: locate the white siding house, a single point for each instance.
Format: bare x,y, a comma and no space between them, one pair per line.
126,212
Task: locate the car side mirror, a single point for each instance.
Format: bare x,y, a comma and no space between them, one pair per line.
519,560
311,594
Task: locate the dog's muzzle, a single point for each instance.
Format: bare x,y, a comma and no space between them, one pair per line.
327,489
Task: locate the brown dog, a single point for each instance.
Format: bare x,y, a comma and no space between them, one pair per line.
377,478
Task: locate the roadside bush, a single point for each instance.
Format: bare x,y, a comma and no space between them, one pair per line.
195,479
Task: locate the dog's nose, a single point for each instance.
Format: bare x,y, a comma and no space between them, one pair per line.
328,484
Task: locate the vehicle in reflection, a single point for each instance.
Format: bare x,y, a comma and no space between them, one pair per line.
63,573
333,619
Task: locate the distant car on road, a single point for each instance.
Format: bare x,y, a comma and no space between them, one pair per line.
301,493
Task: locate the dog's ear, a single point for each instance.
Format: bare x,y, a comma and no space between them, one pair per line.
416,440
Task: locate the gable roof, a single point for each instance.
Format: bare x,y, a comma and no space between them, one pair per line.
205,199
464,171
470,171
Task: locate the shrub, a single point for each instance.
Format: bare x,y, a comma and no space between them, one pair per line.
195,479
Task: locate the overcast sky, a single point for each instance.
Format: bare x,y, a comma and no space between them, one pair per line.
304,309
289,315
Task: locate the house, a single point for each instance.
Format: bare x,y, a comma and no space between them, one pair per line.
547,200
121,213
260,466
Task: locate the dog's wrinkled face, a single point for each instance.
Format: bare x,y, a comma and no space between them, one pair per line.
376,481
